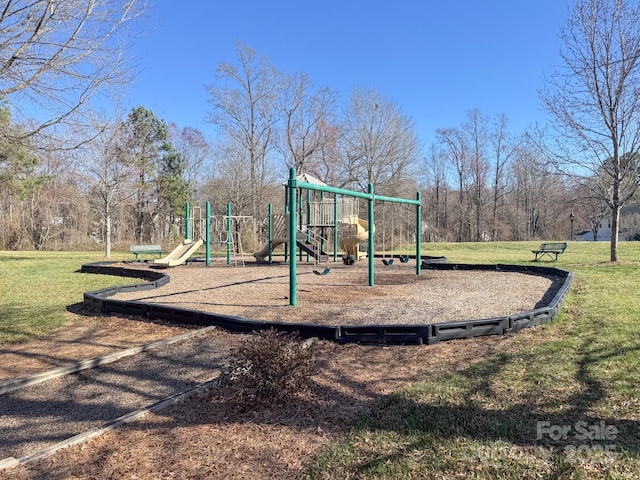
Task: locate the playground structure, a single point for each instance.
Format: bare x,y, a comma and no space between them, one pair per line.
311,223
351,244
323,225
179,255
294,185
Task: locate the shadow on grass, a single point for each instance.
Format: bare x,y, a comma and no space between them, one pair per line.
468,417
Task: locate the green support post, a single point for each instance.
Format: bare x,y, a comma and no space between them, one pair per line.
270,233
322,228
300,202
418,233
207,234
308,210
371,233
292,237
336,222
286,212
187,222
229,234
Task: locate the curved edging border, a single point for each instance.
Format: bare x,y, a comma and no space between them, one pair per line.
428,333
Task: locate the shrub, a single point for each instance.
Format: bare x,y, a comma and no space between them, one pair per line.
268,368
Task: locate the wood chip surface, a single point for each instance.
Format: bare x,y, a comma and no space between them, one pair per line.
343,296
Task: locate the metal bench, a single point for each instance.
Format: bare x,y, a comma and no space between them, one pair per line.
549,249
155,250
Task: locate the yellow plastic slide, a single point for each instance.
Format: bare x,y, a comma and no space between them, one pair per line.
276,242
179,255
350,244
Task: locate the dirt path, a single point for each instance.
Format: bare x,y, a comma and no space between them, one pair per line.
39,416
86,335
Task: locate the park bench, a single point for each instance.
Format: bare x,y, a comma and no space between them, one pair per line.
549,249
146,250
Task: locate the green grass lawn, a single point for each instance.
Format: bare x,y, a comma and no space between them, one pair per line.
37,287
561,402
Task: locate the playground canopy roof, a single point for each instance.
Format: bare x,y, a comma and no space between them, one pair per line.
306,178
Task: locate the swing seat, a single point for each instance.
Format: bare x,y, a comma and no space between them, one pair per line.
403,258
388,263
324,272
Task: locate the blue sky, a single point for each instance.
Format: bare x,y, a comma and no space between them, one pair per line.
436,59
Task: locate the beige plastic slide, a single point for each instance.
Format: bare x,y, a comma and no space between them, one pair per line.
350,244
179,255
276,242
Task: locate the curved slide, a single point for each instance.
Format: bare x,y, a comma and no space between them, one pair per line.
179,255
350,244
276,242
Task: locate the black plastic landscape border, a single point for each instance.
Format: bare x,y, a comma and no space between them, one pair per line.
428,333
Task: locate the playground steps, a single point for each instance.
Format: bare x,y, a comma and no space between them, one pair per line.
313,250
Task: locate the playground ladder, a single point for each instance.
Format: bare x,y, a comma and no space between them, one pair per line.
310,242
232,244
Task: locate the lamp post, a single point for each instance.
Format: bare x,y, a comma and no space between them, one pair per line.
571,217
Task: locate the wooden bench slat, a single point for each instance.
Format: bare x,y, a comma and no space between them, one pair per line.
554,248
146,250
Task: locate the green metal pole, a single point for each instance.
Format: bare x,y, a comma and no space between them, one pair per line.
322,223
286,211
300,201
371,232
353,193
229,234
270,233
292,236
418,233
307,209
208,234
187,222
336,223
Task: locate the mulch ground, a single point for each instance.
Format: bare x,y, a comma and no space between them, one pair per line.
343,297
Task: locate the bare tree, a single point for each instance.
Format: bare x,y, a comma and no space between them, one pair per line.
227,182
540,200
328,157
380,142
502,150
455,143
305,112
595,102
108,179
55,55
196,150
530,179
243,107
590,208
436,198
476,128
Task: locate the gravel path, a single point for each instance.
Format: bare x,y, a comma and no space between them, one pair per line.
39,416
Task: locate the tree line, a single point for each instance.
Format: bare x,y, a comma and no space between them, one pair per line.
76,178
129,184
